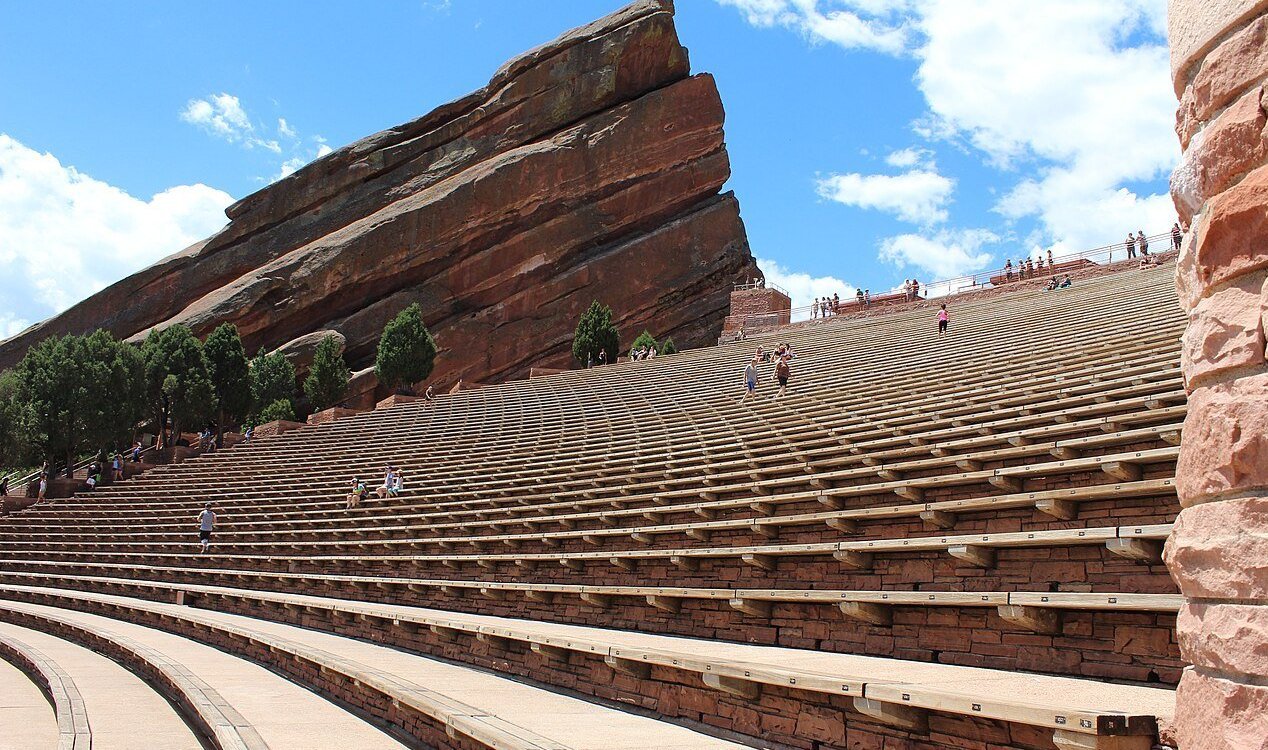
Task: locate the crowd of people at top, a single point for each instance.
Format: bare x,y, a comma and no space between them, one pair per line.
828,306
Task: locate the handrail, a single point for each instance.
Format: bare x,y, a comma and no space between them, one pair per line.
761,284
982,279
25,480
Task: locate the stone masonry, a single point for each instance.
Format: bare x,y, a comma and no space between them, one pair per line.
1218,552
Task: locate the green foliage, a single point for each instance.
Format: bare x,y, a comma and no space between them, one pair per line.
327,381
279,409
77,394
407,351
230,375
177,384
595,332
272,380
15,446
644,339
667,346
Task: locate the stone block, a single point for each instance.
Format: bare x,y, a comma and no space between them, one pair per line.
1225,331
1193,27
1220,550
1229,638
1230,239
1231,145
1225,447
1235,64
1218,714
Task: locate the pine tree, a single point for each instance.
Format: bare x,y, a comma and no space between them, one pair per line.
230,375
272,380
327,381
596,332
407,351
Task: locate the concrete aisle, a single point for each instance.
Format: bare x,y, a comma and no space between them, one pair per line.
125,713
26,718
285,714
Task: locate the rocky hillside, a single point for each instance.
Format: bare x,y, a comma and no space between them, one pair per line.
588,168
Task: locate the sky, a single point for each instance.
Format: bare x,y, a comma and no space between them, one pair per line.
871,141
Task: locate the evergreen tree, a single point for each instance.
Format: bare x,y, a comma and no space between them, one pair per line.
595,332
14,423
327,381
177,385
667,346
272,380
230,375
645,339
407,351
77,394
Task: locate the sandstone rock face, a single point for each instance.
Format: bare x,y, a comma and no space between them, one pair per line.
588,168
1218,550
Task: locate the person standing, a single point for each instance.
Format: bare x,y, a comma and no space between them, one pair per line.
1142,243
750,380
603,357
858,295
1008,269
943,320
1131,246
1050,263
782,373
1176,236
867,298
206,522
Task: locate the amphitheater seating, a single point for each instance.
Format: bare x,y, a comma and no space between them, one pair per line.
946,541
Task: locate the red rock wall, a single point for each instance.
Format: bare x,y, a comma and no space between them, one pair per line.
588,168
1218,552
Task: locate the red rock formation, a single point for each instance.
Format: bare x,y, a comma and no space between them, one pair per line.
588,168
1218,550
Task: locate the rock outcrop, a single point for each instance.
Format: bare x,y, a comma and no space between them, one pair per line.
588,168
1218,550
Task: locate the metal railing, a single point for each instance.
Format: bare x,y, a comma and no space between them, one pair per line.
1103,255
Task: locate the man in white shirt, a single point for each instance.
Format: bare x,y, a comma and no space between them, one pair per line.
206,521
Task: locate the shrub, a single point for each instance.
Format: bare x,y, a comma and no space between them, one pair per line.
667,346
327,381
644,339
279,409
407,351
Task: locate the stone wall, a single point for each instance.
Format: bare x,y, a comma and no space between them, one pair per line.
1218,552
757,308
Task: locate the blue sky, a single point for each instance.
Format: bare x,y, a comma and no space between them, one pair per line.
870,140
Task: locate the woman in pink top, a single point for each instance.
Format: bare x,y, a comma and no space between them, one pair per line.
942,320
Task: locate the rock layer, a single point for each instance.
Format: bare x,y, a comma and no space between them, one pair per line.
588,168
1218,548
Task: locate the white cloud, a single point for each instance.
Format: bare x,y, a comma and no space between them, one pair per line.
1070,101
221,115
918,196
802,287
945,254
910,157
288,168
65,235
861,24
323,149
284,128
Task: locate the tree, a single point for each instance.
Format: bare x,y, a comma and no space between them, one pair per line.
667,346
644,339
407,351
15,421
595,332
230,375
272,380
177,385
279,409
328,376
79,393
